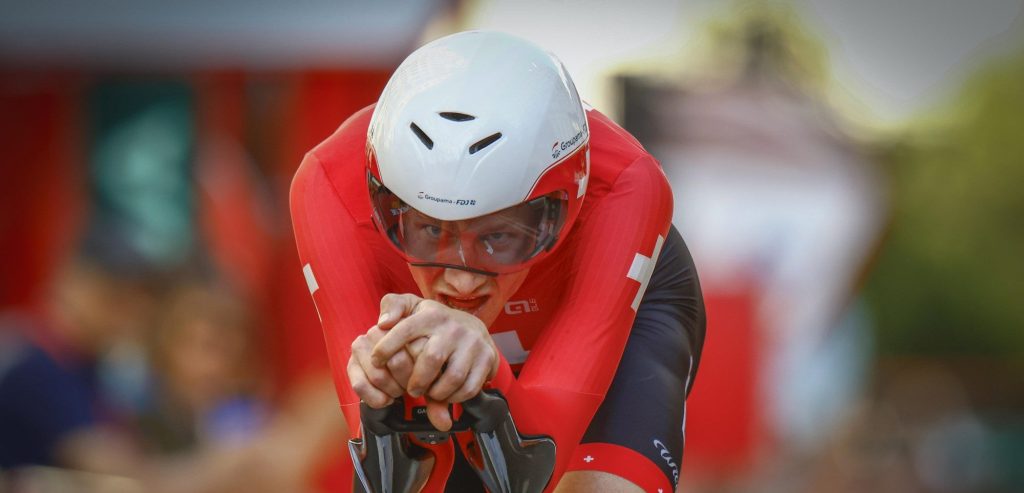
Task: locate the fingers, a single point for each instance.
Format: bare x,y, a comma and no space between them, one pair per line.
454,375
414,348
371,395
437,413
395,307
429,364
404,332
430,349
400,365
402,362
370,379
472,386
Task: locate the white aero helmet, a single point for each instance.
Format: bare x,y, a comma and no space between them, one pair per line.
478,154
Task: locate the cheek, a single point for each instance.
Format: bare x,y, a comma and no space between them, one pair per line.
506,286
510,283
425,278
491,311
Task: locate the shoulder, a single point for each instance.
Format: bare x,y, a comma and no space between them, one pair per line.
611,138
44,401
348,140
617,157
15,352
25,365
336,166
19,354
26,368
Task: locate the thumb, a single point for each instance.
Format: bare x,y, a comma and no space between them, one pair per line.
395,307
438,414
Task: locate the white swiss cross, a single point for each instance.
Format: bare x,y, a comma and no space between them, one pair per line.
581,185
588,459
510,346
642,269
307,271
582,179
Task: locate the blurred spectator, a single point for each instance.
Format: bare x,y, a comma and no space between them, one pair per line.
952,449
203,351
63,431
53,412
868,452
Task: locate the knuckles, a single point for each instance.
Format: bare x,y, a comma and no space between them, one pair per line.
454,328
432,357
378,379
400,361
360,342
430,306
377,402
455,376
369,394
452,380
464,393
431,311
361,388
389,299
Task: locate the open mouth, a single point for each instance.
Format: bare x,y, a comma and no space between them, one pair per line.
469,304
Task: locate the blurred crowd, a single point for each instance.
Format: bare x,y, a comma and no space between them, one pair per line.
156,332
143,379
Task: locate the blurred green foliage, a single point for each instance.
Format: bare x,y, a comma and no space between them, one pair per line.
758,39
950,277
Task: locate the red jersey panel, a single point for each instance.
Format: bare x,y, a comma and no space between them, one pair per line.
566,327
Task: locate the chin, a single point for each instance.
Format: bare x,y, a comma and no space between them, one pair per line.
488,317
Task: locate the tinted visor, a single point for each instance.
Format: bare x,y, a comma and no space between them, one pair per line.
501,242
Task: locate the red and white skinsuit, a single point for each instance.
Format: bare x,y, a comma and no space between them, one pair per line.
562,334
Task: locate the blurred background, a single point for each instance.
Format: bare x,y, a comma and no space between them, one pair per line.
846,174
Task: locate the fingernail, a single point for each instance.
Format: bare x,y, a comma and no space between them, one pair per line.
383,318
415,392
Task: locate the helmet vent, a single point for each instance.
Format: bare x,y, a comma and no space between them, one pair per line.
484,142
422,136
456,117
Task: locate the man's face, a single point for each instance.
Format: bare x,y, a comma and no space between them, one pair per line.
491,243
101,308
477,294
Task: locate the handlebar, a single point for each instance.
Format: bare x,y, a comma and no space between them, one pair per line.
483,413
387,461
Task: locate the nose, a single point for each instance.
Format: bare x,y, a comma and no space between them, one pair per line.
464,282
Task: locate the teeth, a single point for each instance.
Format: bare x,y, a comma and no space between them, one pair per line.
461,303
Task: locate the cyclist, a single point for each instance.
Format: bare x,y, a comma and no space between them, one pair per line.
480,228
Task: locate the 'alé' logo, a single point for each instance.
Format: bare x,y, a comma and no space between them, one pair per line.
521,306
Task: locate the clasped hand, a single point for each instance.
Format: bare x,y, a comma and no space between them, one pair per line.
423,348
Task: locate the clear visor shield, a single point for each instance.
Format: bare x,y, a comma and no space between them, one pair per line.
501,242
